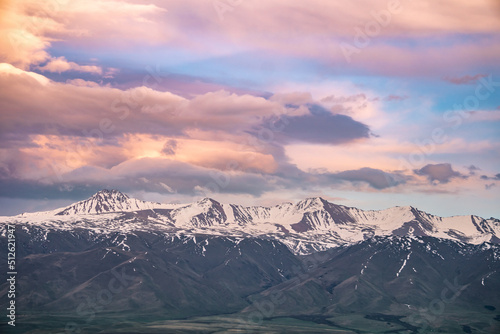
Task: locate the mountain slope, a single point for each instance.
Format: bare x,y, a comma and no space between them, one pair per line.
163,273
391,283
416,283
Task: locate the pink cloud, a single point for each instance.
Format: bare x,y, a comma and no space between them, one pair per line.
315,30
312,30
60,64
395,98
28,28
81,123
467,79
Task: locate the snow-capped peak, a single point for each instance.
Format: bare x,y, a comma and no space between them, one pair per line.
106,201
311,203
207,202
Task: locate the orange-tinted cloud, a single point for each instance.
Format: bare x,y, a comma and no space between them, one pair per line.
60,64
64,127
28,28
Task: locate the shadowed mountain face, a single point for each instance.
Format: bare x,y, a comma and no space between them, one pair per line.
85,276
385,274
156,272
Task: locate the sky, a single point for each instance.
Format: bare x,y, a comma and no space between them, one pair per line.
367,103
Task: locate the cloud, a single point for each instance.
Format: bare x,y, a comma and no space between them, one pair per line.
29,189
169,189
185,178
10,70
83,83
344,99
316,16
472,169
315,30
167,176
395,98
60,64
84,110
116,138
29,28
484,116
486,177
376,178
109,127
230,112
311,31
442,173
319,126
295,98
489,186
465,80
169,147
91,132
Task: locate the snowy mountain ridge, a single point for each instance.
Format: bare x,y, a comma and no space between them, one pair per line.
107,201
310,225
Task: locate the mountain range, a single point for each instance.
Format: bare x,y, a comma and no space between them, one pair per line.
114,264
310,225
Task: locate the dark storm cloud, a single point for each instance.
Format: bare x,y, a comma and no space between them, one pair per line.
438,172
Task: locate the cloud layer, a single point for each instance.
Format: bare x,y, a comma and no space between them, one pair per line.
268,100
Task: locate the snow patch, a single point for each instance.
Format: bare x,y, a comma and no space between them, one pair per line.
404,264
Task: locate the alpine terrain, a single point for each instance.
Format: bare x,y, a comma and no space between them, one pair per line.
114,264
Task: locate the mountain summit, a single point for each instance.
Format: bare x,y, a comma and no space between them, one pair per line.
313,224
106,201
